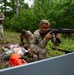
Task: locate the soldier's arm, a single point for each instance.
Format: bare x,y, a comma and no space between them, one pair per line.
21,39
40,42
2,16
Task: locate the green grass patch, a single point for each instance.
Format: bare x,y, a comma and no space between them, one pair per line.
12,37
66,44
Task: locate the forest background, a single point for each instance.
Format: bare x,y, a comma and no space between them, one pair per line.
60,13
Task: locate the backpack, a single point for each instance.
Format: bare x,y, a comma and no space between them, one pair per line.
15,60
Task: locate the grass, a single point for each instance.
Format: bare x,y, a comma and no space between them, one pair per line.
67,44
12,37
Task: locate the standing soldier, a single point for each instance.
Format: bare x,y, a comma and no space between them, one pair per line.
1,27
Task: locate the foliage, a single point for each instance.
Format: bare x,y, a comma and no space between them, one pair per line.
58,12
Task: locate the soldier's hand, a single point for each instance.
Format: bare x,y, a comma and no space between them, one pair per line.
48,36
58,35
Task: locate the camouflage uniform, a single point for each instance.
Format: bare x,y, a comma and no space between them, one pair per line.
38,45
40,41
27,35
1,26
31,37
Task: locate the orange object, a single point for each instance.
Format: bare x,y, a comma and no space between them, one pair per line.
15,60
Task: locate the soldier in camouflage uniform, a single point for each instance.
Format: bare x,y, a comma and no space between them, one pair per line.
40,41
27,36
26,39
1,26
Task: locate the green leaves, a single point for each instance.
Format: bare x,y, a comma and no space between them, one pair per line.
60,13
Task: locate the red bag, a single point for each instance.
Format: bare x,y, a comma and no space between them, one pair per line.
15,60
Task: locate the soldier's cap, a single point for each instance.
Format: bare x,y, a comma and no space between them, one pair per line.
44,22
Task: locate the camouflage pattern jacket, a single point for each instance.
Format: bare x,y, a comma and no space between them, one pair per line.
39,40
1,17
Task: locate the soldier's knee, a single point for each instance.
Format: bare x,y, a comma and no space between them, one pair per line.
42,57
35,57
42,54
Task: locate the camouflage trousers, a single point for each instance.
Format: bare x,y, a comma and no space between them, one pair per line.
38,53
1,33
